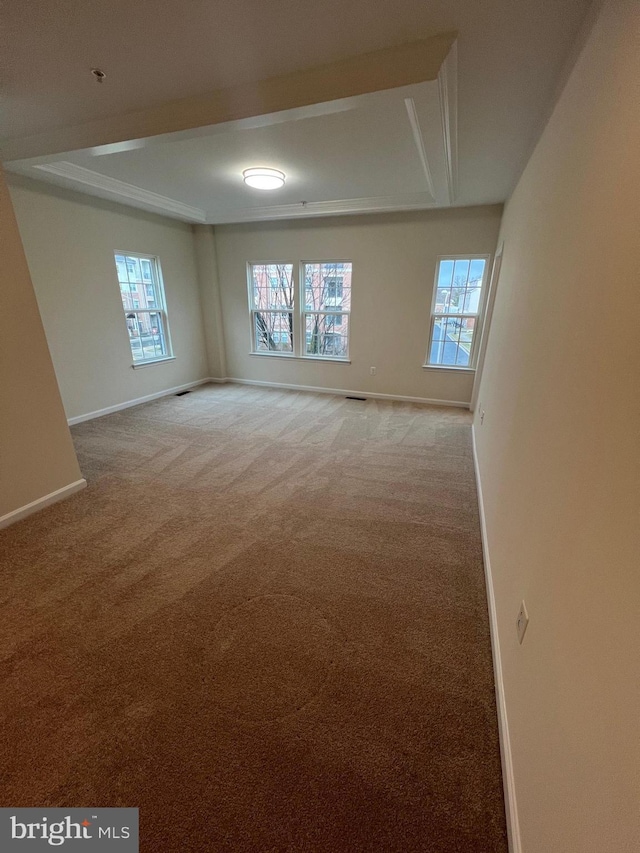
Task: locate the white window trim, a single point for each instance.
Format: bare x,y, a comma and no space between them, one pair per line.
291,357
452,367
298,313
149,362
161,308
477,332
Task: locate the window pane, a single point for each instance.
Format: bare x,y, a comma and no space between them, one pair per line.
456,300
476,270
451,342
443,298
465,341
445,275
460,273
127,290
121,266
471,300
133,269
327,335
147,335
272,286
327,286
451,327
273,331
333,320
458,292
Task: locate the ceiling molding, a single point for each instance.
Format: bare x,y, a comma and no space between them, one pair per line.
125,193
379,204
122,190
412,113
390,68
428,180
251,123
448,97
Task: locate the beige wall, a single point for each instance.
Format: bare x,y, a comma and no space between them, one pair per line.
69,241
559,456
394,259
36,453
207,263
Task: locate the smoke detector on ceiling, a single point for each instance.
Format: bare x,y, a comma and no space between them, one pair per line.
99,74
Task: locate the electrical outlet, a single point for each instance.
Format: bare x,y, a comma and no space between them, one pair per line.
372,370
481,417
522,621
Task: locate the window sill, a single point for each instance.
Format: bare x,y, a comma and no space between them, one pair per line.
150,362
448,367
301,357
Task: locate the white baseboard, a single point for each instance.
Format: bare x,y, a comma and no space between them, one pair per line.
508,781
342,392
129,403
41,503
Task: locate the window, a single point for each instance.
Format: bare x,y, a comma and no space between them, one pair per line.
271,300
327,306
322,312
144,307
456,314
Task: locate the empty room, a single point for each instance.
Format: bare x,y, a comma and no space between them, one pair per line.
319,421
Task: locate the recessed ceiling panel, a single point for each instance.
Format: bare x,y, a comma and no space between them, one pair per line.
362,152
366,153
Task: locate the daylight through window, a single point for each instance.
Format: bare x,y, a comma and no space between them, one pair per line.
272,307
316,325
457,311
144,307
327,305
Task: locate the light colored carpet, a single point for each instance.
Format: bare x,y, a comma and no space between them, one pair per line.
264,623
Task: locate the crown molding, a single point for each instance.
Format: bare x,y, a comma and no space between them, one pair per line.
83,179
122,191
377,204
414,121
448,98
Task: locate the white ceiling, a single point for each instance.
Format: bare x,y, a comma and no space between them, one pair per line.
382,151
388,150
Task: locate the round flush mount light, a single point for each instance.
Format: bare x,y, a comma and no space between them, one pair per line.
264,179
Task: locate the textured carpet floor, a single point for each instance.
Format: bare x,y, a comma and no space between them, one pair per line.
264,623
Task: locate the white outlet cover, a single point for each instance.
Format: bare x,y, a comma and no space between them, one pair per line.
522,621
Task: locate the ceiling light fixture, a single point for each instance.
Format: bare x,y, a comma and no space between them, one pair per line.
263,179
